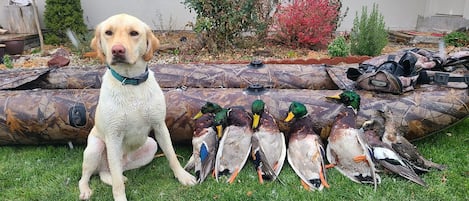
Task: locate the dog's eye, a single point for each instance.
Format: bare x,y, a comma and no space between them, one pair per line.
134,33
109,33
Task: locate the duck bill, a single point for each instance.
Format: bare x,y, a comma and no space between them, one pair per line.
336,97
219,131
198,115
289,117
255,121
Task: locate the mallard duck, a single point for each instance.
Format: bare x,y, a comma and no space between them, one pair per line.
305,149
346,150
204,147
403,147
208,107
385,155
235,145
268,143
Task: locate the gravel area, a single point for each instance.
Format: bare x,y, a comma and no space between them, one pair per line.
184,47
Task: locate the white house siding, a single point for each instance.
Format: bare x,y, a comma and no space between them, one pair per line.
172,14
159,14
398,14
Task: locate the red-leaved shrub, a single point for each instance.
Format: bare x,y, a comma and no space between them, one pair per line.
305,23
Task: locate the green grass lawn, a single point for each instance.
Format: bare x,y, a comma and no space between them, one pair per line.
52,173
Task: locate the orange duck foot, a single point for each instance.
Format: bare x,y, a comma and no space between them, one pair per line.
259,174
323,179
305,185
329,166
361,158
233,176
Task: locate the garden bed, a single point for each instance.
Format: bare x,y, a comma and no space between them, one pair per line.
184,47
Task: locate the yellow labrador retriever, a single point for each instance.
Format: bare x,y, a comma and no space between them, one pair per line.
130,104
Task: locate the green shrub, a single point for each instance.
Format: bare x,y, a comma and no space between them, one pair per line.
457,39
338,47
7,61
220,23
368,35
60,15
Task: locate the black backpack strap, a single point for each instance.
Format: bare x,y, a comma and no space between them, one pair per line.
354,73
440,78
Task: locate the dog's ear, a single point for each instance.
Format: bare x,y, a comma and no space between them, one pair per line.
96,44
152,45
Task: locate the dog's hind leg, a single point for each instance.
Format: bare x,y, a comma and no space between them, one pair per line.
141,156
91,161
106,177
104,172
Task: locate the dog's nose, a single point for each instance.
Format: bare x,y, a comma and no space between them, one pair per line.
118,50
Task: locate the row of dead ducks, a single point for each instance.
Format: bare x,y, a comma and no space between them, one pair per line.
224,139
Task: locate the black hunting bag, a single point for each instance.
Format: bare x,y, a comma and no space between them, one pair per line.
390,76
398,77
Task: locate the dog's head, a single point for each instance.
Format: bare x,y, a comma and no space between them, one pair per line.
124,39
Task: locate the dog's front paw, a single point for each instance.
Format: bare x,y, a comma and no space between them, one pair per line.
85,194
85,191
185,178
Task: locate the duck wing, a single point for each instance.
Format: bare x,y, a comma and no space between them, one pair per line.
306,157
343,151
268,153
233,151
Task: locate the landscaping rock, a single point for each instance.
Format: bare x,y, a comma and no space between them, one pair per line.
58,61
60,52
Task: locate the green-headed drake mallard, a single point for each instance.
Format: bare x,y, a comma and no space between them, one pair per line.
235,145
385,155
204,147
403,147
208,107
305,149
347,150
268,143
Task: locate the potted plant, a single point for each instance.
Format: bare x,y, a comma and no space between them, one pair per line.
14,46
2,52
